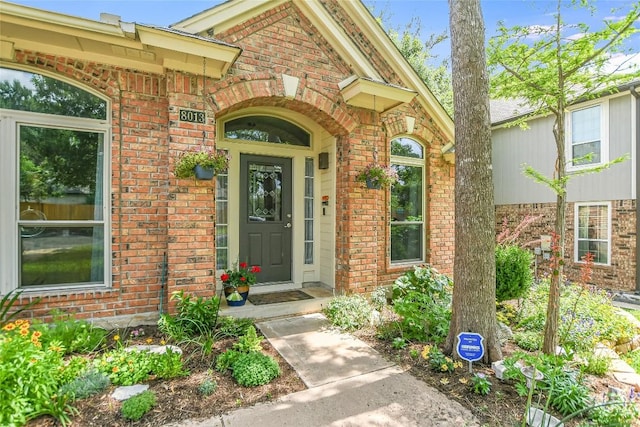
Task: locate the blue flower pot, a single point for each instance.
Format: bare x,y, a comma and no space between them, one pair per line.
375,185
232,297
204,174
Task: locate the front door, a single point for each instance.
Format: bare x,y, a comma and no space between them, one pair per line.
265,216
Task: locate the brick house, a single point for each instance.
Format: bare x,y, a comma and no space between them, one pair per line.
301,94
601,207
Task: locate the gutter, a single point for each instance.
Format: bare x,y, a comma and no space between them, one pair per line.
635,140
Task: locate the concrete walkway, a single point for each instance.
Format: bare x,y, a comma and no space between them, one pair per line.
350,384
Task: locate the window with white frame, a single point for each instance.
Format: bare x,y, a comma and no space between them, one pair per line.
407,202
593,231
587,136
54,142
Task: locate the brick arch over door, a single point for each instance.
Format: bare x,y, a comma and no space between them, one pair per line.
266,89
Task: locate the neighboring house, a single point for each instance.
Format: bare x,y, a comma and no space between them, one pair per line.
601,213
302,94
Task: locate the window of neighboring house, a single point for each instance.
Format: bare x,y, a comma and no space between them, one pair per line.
587,133
593,231
407,202
55,146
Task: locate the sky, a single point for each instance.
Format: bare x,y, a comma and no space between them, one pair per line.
433,14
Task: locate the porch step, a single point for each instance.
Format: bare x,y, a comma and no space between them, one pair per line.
321,297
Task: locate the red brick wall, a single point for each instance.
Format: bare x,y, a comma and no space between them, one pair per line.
154,214
620,275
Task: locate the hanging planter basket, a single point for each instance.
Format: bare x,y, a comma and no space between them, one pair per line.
203,173
374,185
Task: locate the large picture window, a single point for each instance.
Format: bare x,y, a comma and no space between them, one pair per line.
587,137
593,231
407,203
55,233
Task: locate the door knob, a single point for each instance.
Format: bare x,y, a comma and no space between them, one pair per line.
288,225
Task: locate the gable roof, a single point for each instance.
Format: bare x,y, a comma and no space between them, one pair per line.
368,80
111,41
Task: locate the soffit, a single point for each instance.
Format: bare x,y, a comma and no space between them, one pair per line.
374,95
122,44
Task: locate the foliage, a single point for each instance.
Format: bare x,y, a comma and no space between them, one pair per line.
135,407
231,327
378,175
588,317
76,336
6,304
437,360
528,340
348,312
615,412
29,376
240,275
225,360
250,342
73,368
595,364
254,369
480,384
86,385
207,387
422,298
218,160
633,359
194,316
513,272
506,313
131,366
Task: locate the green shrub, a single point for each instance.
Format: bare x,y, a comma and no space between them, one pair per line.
30,376
194,316
86,385
254,369
422,299
76,336
633,359
135,407
349,312
596,365
225,360
480,384
7,313
74,368
249,342
207,387
528,340
231,327
128,367
513,272
168,365
619,413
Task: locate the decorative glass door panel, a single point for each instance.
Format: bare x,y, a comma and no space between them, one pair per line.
265,212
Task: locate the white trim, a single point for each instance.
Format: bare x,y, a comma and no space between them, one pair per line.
634,141
576,208
604,134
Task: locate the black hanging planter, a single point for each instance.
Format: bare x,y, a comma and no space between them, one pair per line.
204,174
375,185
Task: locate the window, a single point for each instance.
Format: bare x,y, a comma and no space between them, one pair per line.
407,205
55,233
222,221
587,137
593,231
308,210
267,129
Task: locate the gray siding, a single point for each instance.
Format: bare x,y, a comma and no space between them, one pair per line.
513,147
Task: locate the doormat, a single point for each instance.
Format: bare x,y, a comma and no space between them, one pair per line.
275,297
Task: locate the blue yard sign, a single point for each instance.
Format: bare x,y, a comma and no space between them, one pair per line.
470,347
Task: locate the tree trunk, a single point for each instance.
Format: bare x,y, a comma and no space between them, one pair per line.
474,304
552,320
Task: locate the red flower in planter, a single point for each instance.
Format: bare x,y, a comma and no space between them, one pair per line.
240,275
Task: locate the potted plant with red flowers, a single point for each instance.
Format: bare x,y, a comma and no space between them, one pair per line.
236,282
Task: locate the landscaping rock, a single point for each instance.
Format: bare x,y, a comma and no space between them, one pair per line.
499,368
504,333
159,349
125,392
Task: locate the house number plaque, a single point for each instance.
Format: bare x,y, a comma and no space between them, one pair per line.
192,116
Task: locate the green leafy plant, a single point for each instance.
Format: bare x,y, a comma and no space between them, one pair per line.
480,384
378,175
128,367
168,365
616,412
596,365
76,336
30,376
422,299
86,385
633,359
72,369
348,312
231,327
135,407
249,342
513,272
528,340
194,316
399,343
207,387
225,360
437,360
218,160
240,274
254,369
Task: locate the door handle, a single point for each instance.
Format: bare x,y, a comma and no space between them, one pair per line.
288,225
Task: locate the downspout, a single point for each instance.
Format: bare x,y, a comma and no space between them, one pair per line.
635,139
